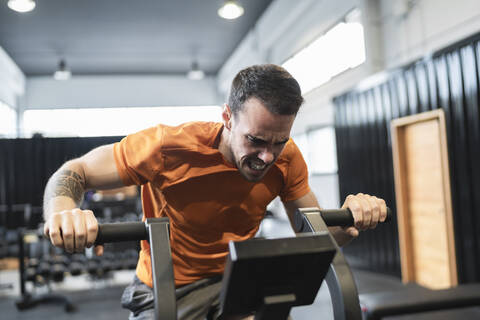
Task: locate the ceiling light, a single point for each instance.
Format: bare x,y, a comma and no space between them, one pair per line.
230,10
21,5
63,73
195,73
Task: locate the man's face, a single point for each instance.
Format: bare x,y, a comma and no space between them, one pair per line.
257,137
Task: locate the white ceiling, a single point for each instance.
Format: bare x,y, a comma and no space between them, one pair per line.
123,36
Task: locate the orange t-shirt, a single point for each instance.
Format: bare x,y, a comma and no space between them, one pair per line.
185,178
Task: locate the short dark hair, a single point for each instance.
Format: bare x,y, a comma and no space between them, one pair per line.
271,84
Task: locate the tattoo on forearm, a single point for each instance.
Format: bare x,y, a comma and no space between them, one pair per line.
66,183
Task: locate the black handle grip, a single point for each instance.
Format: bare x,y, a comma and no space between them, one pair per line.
120,232
344,217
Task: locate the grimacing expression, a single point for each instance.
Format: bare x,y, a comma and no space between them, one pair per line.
257,138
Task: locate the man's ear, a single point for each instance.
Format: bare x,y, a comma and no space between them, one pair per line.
227,116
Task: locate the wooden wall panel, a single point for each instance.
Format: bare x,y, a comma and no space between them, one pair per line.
424,210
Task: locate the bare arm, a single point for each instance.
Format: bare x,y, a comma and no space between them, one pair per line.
94,170
65,224
367,212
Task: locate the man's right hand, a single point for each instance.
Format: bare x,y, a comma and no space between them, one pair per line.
73,230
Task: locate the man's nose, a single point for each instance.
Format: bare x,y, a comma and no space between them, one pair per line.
266,156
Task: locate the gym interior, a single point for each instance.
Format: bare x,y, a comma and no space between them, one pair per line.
391,94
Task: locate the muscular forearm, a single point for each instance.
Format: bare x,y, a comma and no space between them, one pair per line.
65,189
66,225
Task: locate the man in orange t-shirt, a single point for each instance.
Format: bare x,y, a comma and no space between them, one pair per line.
212,180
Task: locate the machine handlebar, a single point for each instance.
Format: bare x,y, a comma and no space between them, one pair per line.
344,217
119,232
135,231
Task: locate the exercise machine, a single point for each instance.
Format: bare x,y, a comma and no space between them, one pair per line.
264,277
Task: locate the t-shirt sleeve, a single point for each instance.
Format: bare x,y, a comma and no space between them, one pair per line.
296,181
138,156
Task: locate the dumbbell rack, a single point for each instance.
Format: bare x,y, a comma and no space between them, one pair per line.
28,300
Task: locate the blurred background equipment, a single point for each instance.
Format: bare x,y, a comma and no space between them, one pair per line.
41,265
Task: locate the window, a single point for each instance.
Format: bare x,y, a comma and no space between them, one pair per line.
110,121
339,49
318,148
322,151
301,141
8,121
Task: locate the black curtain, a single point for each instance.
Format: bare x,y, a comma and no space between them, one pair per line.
449,79
26,165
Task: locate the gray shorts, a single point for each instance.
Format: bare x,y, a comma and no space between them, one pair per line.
195,301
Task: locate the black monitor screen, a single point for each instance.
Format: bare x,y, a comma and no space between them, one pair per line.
287,270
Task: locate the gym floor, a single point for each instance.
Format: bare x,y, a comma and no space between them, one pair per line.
103,302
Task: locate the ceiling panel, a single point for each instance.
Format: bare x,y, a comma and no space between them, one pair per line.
124,37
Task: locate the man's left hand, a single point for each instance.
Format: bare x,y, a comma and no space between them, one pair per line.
367,212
